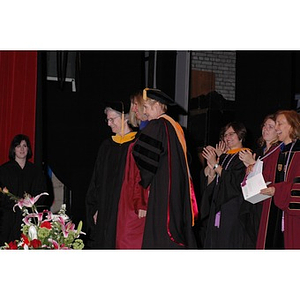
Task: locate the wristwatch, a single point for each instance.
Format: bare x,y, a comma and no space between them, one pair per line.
215,166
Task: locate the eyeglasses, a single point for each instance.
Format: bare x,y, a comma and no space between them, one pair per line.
229,134
111,120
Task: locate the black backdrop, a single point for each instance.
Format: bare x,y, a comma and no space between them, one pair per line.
74,124
265,82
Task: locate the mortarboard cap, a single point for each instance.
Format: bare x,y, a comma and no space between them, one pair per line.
163,98
120,106
158,95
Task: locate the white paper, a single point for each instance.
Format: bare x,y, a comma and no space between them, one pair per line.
254,183
257,168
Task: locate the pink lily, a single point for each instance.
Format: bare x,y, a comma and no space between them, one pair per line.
67,228
48,215
27,219
56,245
28,201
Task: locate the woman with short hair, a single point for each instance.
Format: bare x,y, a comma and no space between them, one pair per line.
102,198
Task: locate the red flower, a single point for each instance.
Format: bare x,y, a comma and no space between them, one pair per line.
25,239
35,243
13,245
46,224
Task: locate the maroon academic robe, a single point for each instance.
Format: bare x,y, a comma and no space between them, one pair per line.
130,228
287,198
269,172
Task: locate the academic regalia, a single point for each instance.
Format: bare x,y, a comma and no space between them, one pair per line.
18,181
250,214
226,226
287,194
162,162
104,192
206,192
269,210
130,228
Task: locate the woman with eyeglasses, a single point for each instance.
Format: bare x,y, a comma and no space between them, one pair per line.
103,194
226,228
280,221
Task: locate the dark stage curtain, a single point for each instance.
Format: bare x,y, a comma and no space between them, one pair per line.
18,75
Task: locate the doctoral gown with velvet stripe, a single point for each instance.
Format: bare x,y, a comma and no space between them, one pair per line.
269,233
287,194
162,164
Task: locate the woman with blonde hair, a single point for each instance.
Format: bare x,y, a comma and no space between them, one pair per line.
269,148
266,143
133,198
137,118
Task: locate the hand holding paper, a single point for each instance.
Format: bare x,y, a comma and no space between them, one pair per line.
254,183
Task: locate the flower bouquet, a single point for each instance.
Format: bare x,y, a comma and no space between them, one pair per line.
44,230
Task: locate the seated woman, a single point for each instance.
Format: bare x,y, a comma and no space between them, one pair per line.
18,175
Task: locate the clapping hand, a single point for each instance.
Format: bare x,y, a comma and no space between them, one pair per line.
209,153
247,157
220,148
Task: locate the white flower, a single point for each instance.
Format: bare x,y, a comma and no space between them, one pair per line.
32,233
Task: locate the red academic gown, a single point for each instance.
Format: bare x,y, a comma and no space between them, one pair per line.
130,228
269,172
287,198
287,195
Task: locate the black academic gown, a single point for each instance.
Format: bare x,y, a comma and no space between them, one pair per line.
18,181
225,197
161,161
104,193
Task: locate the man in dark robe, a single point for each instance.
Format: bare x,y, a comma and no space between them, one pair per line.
160,155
